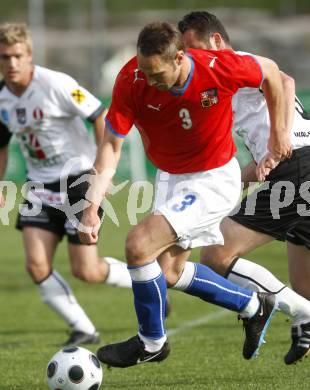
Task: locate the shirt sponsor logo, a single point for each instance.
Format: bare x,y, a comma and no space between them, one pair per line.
32,144
4,116
78,96
21,115
301,134
209,97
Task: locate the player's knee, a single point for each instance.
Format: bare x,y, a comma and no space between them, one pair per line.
38,270
135,248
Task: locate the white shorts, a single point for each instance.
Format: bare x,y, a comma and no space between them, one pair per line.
195,203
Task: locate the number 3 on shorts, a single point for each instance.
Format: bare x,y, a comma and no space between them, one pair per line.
188,201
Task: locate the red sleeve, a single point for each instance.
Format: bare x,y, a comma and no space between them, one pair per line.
121,115
248,71
234,71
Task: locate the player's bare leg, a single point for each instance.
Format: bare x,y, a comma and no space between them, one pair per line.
299,274
144,244
172,262
147,240
40,246
89,267
238,240
299,269
225,260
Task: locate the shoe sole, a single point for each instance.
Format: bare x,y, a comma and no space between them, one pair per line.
261,339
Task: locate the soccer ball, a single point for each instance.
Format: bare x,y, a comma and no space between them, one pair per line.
74,368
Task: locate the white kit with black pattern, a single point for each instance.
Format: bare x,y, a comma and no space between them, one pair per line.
47,122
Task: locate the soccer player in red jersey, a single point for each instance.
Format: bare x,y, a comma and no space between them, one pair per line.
181,105
246,230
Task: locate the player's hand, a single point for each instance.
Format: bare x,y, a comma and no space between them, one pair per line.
2,201
266,165
89,225
280,148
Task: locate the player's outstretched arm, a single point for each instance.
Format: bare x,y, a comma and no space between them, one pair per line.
279,141
3,164
288,84
107,158
99,127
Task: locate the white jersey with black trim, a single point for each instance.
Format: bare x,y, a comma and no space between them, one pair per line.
252,123
47,122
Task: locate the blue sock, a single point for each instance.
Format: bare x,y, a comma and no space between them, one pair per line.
149,287
204,283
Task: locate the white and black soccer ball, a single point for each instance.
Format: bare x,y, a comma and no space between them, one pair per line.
74,368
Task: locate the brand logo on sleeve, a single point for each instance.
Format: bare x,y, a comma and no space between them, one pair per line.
209,97
78,96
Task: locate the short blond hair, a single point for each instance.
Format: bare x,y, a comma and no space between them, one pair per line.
12,33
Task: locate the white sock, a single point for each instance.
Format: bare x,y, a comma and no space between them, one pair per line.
251,308
118,273
255,277
294,305
152,345
186,277
57,294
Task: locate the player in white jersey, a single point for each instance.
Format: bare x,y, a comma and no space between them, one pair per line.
45,109
243,232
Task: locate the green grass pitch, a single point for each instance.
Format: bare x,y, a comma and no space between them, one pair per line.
206,340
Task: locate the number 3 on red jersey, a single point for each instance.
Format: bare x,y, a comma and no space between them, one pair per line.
186,119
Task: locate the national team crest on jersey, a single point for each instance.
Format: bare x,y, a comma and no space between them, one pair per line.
21,115
78,96
209,97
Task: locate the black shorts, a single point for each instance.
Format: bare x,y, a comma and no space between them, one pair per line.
53,219
282,210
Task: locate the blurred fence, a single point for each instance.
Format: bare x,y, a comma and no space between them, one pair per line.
79,36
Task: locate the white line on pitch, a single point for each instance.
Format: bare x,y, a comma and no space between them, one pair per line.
199,321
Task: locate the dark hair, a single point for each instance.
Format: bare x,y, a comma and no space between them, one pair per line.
204,24
160,38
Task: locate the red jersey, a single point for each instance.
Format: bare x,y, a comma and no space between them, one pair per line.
189,130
